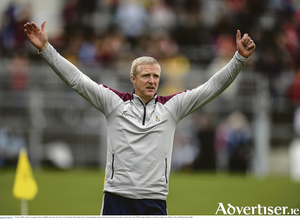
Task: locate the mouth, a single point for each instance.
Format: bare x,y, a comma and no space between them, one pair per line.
150,88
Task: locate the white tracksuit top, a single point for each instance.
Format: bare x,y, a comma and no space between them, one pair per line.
140,136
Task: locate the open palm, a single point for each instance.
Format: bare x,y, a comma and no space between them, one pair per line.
37,36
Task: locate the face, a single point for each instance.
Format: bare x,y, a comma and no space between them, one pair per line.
146,82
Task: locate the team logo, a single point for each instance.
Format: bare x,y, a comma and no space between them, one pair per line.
157,118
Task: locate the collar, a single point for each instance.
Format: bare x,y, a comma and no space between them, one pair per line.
139,101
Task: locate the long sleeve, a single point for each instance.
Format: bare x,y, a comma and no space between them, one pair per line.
189,101
101,97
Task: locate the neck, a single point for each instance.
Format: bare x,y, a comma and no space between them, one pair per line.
146,99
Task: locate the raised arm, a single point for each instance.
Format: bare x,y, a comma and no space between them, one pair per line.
98,95
38,37
187,102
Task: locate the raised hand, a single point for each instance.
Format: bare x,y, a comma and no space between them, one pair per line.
38,37
245,45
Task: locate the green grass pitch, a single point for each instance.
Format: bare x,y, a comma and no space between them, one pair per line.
79,192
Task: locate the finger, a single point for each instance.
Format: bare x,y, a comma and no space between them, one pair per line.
26,24
43,26
28,27
34,25
249,42
245,37
26,32
251,46
238,35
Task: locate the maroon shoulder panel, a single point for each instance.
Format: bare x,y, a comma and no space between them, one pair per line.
123,96
164,99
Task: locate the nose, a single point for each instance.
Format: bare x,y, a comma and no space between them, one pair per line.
151,80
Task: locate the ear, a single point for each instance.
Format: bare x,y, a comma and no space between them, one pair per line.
132,78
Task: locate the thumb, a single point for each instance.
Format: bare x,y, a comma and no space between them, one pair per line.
43,26
238,35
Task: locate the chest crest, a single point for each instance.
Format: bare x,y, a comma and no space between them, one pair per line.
157,118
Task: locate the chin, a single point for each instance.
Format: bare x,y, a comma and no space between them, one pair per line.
150,94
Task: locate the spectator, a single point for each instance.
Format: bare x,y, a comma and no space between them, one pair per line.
238,142
12,38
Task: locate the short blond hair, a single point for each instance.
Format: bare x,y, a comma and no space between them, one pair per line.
144,60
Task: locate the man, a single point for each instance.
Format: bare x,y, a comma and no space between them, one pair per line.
140,125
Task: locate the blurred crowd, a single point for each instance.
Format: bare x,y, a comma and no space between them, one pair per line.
106,33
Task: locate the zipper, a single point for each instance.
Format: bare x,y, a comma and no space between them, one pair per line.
166,169
144,105
112,166
144,118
